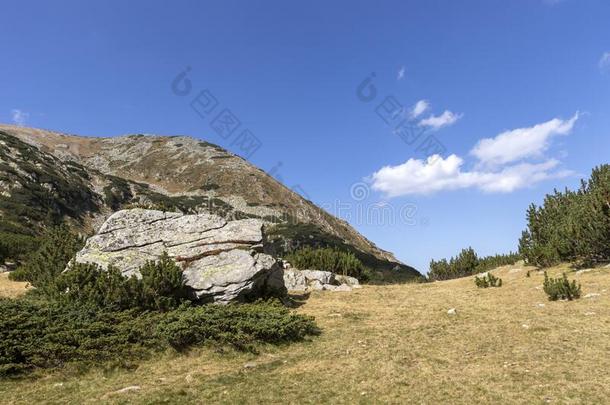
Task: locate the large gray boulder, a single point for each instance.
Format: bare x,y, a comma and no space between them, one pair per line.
222,260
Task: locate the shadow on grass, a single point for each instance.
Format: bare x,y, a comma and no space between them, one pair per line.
296,300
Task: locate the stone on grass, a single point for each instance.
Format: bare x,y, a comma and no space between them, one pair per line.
343,288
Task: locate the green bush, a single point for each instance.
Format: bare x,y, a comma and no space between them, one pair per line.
467,263
56,249
571,226
239,325
161,286
561,288
15,247
329,259
487,281
40,334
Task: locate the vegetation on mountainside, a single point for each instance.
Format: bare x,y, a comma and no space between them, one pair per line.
561,288
467,263
329,259
285,239
86,315
571,226
37,192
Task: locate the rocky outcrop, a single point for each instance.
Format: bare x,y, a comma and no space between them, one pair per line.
222,260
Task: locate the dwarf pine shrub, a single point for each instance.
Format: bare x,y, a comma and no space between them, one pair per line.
466,263
487,281
570,226
561,288
38,334
56,249
329,259
161,286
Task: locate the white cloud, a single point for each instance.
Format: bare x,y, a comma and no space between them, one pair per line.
604,62
439,121
401,73
19,117
417,176
517,144
419,108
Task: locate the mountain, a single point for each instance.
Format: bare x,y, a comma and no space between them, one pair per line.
48,176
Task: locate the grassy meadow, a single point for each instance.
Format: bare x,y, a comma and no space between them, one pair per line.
382,344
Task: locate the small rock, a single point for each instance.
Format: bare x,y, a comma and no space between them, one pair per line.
294,280
57,385
452,311
525,326
589,313
592,295
250,365
329,287
351,281
343,288
579,272
540,305
324,277
128,389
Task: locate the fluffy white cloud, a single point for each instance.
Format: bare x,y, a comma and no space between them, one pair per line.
19,117
604,62
517,144
419,108
439,121
434,174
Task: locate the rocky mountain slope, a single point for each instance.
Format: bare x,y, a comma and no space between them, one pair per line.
50,175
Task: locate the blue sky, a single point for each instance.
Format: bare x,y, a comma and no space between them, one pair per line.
516,93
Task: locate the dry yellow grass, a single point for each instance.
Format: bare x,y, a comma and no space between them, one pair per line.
389,344
11,289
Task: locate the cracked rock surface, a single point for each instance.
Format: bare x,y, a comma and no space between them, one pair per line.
222,260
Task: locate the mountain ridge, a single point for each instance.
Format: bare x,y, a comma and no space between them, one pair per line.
161,168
